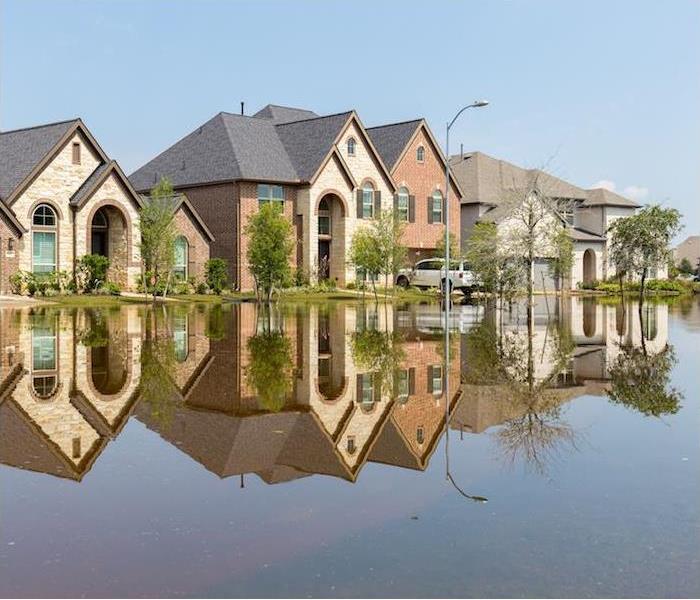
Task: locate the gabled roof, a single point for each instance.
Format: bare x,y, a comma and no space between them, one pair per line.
284,114
97,178
601,196
268,146
308,142
21,151
486,180
581,235
391,140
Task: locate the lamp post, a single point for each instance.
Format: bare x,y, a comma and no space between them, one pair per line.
446,292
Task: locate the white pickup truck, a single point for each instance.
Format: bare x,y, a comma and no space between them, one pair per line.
430,273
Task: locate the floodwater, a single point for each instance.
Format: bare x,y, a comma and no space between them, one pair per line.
302,451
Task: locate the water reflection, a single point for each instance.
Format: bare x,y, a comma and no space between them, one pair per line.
289,392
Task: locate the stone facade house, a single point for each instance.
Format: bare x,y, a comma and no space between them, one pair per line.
62,197
329,174
489,183
417,165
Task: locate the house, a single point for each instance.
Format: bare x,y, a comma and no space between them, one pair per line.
488,183
688,249
325,172
62,197
417,165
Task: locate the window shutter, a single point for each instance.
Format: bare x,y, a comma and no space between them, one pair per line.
430,210
444,210
358,383
359,203
377,203
430,379
411,381
411,209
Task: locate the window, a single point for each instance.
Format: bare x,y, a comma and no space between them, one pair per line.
436,207
180,264
435,379
351,146
402,204
44,360
180,338
270,193
76,153
43,251
366,391
44,216
368,201
402,385
420,154
324,218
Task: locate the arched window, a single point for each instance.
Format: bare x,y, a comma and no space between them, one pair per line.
420,154
180,264
368,201
181,337
43,239
44,359
99,233
402,202
351,146
436,212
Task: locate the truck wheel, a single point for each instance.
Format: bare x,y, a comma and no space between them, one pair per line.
446,287
402,282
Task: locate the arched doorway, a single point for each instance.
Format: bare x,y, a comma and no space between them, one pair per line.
330,214
109,237
589,267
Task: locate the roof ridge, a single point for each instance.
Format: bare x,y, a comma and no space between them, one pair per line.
40,126
345,112
397,123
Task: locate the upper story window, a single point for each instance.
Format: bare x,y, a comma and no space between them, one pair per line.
270,193
368,201
420,154
76,153
435,379
351,146
436,209
402,204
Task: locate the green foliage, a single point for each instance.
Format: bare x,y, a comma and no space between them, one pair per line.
641,242
202,288
269,249
365,253
563,255
685,267
216,323
216,275
641,381
91,272
158,233
96,334
18,282
454,249
379,352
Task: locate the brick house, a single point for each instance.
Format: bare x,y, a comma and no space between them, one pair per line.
62,197
488,182
324,171
417,165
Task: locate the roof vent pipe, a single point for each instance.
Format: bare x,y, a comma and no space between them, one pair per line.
461,152
242,108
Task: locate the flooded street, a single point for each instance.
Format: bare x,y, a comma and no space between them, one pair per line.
226,450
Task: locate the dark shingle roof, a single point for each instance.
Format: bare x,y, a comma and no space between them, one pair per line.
284,114
390,140
89,183
581,235
308,142
601,196
22,149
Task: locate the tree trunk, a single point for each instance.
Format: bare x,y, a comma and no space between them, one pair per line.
641,286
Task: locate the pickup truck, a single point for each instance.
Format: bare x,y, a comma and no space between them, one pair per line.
430,273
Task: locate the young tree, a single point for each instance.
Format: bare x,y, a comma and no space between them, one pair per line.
685,267
270,248
158,235
440,247
366,254
641,242
388,230
563,259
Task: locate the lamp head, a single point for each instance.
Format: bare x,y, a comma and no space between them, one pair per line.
480,103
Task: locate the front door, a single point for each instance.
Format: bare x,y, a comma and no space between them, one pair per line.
99,242
324,259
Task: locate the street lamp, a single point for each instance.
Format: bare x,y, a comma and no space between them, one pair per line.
446,292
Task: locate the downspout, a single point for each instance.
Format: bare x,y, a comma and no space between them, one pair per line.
73,212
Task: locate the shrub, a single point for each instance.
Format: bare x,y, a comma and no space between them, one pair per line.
301,277
216,274
202,288
91,272
350,286
111,289
18,282
58,281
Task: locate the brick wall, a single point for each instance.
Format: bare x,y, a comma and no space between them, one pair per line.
9,259
218,207
422,179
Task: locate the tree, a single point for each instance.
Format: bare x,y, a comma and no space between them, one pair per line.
270,248
216,274
641,242
563,256
158,233
685,267
366,254
440,247
388,230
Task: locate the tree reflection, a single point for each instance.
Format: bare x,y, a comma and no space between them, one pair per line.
521,370
640,380
270,369
157,363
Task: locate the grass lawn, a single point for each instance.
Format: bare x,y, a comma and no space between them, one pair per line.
90,300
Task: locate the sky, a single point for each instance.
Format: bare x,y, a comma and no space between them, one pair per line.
598,93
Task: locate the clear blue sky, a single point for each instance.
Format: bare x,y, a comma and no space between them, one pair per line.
598,91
